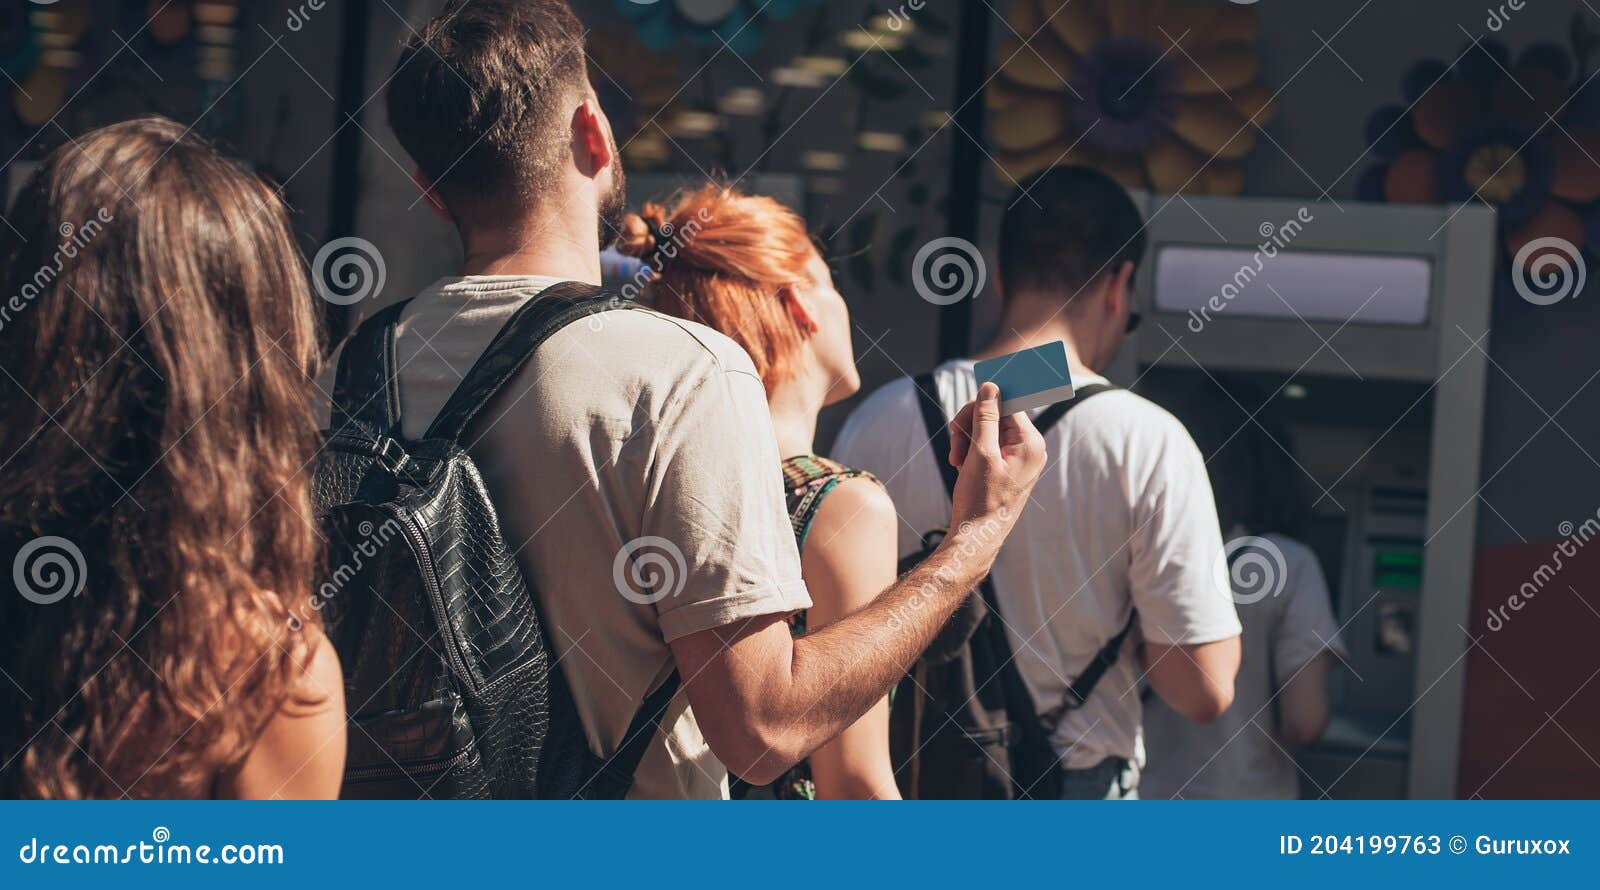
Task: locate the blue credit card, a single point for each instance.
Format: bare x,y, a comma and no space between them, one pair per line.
1032,378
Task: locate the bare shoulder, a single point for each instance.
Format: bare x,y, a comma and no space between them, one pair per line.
850,554
320,687
300,753
859,505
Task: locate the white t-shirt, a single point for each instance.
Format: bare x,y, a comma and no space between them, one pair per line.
629,429
1239,756
1123,517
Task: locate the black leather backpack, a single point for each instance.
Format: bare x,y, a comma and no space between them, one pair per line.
962,725
450,678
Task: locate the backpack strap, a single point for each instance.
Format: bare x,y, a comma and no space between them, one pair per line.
615,776
533,323
1079,689
933,418
366,391
1052,415
939,427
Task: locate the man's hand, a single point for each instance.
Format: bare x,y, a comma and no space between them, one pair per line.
1000,459
765,700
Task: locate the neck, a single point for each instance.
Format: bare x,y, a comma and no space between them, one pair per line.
1021,330
794,408
566,247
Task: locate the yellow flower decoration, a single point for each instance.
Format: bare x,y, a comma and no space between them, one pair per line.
1158,93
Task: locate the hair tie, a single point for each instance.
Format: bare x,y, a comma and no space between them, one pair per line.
662,236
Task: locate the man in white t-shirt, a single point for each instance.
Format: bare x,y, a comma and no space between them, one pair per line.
637,432
1291,640
1123,518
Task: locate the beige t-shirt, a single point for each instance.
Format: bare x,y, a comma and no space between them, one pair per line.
634,463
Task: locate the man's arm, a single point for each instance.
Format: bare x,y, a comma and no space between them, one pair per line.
1177,579
765,700
1304,708
1305,649
1195,679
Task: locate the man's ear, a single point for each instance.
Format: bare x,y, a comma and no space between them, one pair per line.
429,194
789,296
591,138
1118,290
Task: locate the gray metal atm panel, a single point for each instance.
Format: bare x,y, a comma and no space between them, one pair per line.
1413,741
1396,352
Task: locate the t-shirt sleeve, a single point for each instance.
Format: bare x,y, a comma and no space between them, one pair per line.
716,508
1179,583
1307,626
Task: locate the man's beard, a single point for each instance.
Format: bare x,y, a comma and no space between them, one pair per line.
614,204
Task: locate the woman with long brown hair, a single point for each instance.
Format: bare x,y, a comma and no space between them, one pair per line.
157,347
745,266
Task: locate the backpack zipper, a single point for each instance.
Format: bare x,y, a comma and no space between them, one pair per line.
419,546
426,768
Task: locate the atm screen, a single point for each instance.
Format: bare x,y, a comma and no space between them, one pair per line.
1312,285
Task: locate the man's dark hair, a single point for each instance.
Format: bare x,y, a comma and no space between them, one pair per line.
1064,228
1248,450
479,97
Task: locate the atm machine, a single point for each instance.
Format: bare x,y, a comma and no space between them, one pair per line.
1369,322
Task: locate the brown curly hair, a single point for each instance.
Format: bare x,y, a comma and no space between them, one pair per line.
157,343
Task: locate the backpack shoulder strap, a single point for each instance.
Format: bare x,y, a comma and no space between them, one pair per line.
1052,415
933,418
366,392
615,776
1083,685
937,425
556,307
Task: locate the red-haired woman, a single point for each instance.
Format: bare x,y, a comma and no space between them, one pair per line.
745,265
157,350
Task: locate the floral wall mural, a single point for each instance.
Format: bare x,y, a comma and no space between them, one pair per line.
1163,95
1476,131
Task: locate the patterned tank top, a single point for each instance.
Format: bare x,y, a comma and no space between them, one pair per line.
807,480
